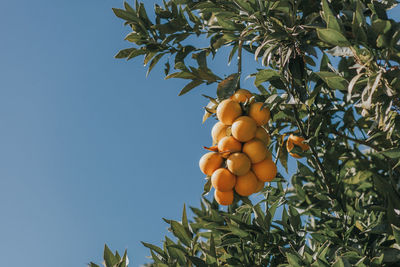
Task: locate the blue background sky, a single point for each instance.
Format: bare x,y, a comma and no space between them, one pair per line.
91,152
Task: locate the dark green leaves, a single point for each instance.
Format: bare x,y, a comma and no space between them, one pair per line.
332,37
265,76
333,80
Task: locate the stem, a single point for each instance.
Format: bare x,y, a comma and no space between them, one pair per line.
239,63
362,142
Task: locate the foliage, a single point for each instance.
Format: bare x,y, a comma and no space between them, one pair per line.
329,72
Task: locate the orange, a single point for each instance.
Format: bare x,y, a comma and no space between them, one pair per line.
228,110
260,186
224,198
265,170
260,115
298,141
241,96
218,131
223,180
238,163
246,184
256,150
228,145
244,128
262,135
210,162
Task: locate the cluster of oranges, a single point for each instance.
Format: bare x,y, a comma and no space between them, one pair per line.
240,160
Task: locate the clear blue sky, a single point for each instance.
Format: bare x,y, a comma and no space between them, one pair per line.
91,152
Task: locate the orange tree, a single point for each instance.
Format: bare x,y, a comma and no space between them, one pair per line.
329,73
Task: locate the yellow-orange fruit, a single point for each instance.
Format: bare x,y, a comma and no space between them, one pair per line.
246,184
223,180
244,128
265,170
228,110
210,162
238,163
228,145
224,198
218,131
262,135
261,116
296,140
241,95
260,186
255,150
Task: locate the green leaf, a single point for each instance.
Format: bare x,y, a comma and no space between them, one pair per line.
359,177
190,86
283,157
333,80
127,52
294,260
125,15
109,258
197,261
182,75
396,233
393,153
155,248
244,5
227,87
154,62
329,17
237,231
265,75
332,37
180,232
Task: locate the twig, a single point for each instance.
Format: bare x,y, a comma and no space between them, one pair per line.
362,142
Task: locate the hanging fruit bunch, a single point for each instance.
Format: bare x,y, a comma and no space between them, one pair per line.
240,161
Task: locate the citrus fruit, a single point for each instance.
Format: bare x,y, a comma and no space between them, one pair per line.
260,115
246,184
228,145
255,150
238,163
241,96
223,198
262,135
218,131
244,128
210,162
228,110
223,180
260,186
298,141
265,170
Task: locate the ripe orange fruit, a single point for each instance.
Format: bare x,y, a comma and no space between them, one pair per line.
265,170
210,162
223,180
238,163
244,128
262,135
298,141
241,96
260,186
246,184
224,198
229,144
218,131
261,116
255,150
228,110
